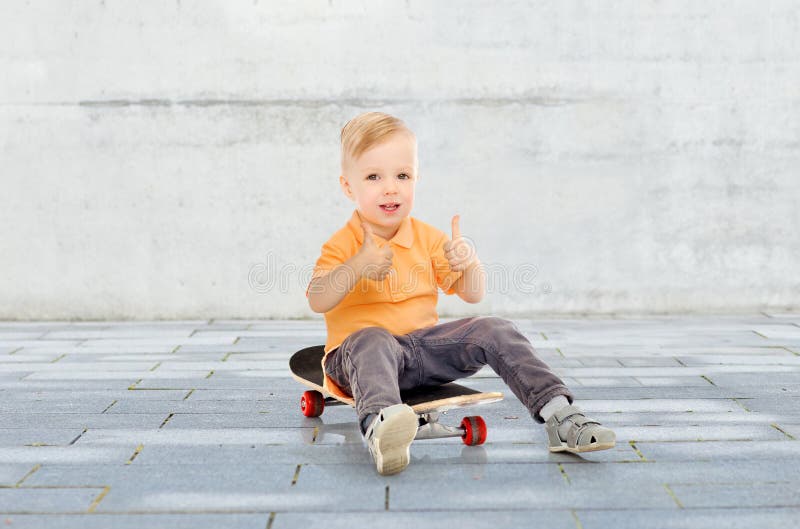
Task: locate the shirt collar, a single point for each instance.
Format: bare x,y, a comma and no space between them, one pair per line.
404,236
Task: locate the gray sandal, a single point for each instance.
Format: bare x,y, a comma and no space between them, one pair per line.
584,435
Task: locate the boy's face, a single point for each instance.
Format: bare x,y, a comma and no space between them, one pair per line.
385,174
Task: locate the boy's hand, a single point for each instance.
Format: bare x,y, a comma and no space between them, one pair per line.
459,252
376,262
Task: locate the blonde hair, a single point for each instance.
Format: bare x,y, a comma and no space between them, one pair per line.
367,130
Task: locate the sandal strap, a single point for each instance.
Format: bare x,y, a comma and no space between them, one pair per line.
582,427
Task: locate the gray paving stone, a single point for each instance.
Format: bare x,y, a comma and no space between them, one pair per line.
780,450
149,333
786,494
787,358
616,382
752,432
742,380
660,405
678,382
25,500
731,518
554,519
136,521
253,407
97,395
81,375
715,471
83,357
80,420
73,454
12,473
37,436
27,358
783,406
188,437
63,385
44,405
502,487
257,487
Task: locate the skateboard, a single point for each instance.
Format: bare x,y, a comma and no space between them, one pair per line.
428,402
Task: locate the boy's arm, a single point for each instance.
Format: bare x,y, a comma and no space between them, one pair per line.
461,256
325,292
370,262
471,286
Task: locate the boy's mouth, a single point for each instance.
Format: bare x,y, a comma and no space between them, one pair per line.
391,206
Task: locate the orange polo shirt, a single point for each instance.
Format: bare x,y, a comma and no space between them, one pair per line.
406,299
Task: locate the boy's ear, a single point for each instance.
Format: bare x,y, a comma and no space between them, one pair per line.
345,186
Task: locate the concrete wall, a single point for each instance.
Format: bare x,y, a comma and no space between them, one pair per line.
180,159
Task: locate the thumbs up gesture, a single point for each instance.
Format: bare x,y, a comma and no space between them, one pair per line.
376,262
459,252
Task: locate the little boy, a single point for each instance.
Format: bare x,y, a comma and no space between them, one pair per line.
376,281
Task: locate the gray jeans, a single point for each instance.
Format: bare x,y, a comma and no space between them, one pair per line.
374,365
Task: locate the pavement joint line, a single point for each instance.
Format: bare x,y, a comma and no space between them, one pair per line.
578,523
59,358
271,520
210,373
189,394
109,406
790,436
793,352
26,476
175,350
707,380
386,499
15,350
80,434
133,386
165,420
736,400
636,449
671,493
564,473
135,453
679,361
758,333
225,358
155,366
296,474
99,498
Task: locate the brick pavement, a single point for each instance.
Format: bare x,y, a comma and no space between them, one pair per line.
197,424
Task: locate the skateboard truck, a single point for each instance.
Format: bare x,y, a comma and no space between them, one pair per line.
472,429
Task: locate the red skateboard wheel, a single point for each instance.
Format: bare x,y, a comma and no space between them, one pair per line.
312,403
474,430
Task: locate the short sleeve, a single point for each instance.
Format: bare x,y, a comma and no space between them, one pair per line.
445,278
331,256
